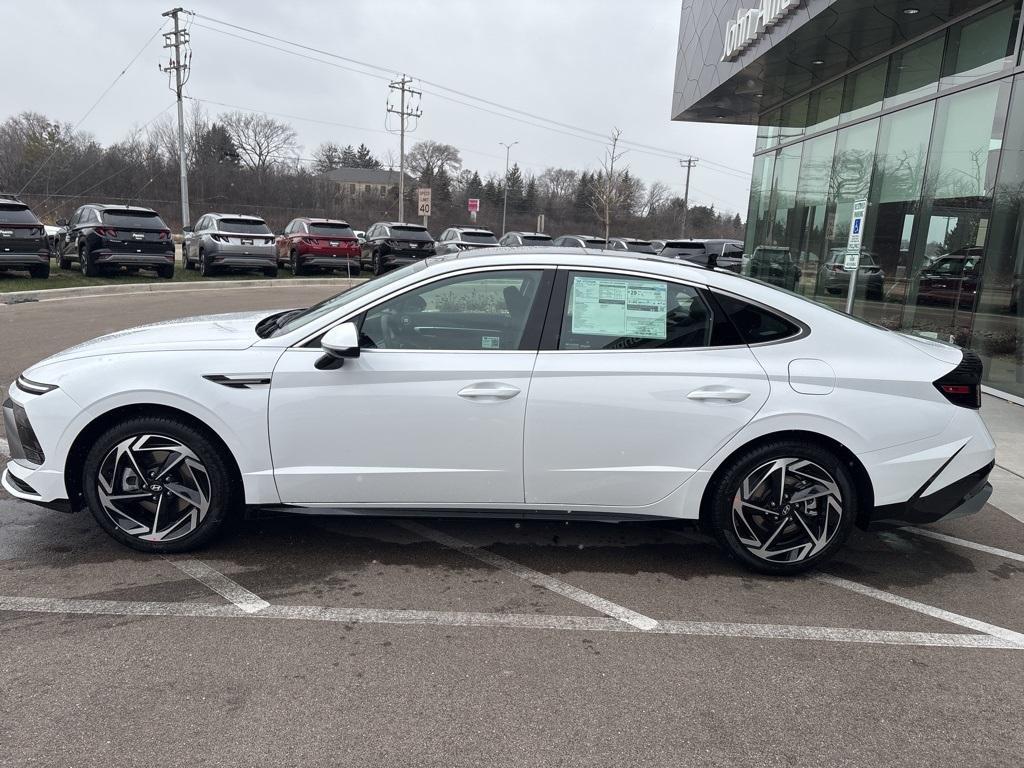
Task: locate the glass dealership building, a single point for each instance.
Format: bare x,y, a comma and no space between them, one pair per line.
914,106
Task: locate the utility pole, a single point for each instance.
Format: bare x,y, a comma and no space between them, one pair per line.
402,86
504,207
177,40
688,165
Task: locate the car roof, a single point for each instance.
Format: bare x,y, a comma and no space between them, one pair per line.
481,230
117,207
398,224
312,220
627,240
529,234
236,216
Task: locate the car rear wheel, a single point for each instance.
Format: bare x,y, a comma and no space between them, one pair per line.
378,269
295,264
39,273
63,262
85,262
784,507
205,268
166,272
158,485
270,271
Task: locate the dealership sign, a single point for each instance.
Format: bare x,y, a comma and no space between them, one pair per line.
748,26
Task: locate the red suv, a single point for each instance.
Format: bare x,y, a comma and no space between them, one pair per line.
318,244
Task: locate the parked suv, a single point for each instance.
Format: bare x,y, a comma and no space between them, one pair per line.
580,241
630,244
99,236
229,241
318,244
23,241
455,239
728,254
394,244
528,239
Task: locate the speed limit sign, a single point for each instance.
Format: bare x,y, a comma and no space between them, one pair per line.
424,202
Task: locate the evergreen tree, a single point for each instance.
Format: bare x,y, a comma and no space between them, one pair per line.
348,157
530,197
364,158
442,187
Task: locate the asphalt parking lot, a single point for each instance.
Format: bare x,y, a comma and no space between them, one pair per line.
337,641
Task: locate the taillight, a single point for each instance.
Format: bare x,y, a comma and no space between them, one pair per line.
220,238
838,268
165,234
962,385
310,241
106,231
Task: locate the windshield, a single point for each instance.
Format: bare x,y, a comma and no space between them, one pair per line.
130,219
536,239
410,233
331,230
17,214
243,226
485,238
327,306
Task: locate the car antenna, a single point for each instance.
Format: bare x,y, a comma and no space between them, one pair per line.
128,200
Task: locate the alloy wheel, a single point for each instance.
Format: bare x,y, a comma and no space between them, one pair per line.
154,488
787,510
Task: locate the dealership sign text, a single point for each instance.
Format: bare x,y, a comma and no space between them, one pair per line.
748,26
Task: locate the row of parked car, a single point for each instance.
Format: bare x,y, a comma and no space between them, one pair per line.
102,238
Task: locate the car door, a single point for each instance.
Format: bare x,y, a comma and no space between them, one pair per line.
630,396
189,239
283,243
430,412
68,236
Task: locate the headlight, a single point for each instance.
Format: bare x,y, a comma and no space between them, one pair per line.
33,387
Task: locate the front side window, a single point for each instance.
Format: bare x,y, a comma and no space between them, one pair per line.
475,312
621,312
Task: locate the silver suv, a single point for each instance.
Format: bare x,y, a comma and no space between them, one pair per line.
223,241
455,239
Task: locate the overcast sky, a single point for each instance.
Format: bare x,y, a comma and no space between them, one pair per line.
587,63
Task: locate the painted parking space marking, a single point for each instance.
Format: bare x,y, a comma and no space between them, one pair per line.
1007,635
235,593
557,586
507,621
1003,553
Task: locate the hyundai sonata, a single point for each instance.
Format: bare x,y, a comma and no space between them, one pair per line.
555,382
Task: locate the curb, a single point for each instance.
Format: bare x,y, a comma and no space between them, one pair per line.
61,294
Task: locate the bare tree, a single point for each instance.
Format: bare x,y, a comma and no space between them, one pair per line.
607,189
327,157
260,140
657,196
428,157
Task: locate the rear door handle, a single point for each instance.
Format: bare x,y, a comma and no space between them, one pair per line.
723,395
488,391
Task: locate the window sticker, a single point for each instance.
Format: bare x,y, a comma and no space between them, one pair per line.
490,342
604,306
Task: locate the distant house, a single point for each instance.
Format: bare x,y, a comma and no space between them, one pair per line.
365,182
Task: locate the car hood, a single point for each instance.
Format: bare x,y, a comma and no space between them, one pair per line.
208,332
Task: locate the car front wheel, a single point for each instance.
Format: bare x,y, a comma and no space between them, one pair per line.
784,507
158,485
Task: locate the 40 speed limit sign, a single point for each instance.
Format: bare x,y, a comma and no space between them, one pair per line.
423,202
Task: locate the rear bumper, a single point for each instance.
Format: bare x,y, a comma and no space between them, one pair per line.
23,260
330,261
402,259
958,499
133,259
242,256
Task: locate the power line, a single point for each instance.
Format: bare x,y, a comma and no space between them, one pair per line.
94,105
638,146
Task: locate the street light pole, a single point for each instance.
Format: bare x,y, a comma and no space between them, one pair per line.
504,207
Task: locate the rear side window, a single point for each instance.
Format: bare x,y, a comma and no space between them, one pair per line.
755,324
17,214
132,219
243,226
621,312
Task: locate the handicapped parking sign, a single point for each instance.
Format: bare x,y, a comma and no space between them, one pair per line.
853,242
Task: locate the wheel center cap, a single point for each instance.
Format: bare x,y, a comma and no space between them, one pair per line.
155,487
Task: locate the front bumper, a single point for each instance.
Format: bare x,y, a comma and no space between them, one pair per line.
958,499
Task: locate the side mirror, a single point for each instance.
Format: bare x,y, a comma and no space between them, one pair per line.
338,343
62,222
187,228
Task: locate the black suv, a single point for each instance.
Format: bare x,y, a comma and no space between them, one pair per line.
100,236
23,243
394,244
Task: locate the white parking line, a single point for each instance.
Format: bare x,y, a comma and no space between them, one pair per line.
234,592
557,586
1007,635
968,544
505,620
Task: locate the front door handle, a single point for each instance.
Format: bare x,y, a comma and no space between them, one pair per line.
721,395
488,391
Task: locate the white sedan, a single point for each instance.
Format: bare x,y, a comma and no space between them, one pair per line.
558,382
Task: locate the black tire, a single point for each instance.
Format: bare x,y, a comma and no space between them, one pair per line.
166,272
205,268
39,273
295,265
219,484
85,263
270,271
377,267
185,260
818,463
63,262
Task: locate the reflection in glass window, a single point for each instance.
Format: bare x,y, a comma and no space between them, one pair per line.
785,226
824,106
851,179
792,119
980,47
760,199
914,72
998,334
768,130
812,202
864,91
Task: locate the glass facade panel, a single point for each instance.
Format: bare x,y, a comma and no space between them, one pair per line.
768,130
760,198
824,106
914,72
783,224
792,120
812,202
982,46
998,334
864,91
